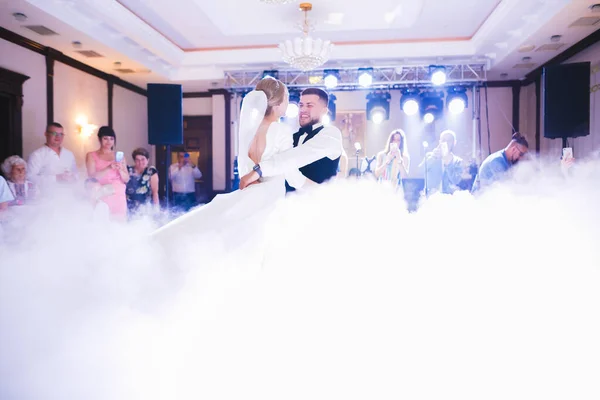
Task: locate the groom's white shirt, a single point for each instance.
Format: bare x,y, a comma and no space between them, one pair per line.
326,143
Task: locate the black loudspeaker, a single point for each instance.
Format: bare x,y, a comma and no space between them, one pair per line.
566,100
165,114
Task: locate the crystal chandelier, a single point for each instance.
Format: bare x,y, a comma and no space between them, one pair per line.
305,53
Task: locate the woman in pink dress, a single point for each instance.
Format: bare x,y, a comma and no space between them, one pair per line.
102,165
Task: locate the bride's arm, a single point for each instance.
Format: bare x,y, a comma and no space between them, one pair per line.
285,142
328,143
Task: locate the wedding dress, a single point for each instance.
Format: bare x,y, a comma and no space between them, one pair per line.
236,219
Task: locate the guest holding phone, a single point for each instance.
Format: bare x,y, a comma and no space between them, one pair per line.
183,175
444,169
110,170
393,162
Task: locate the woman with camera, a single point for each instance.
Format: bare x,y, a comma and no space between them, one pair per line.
393,162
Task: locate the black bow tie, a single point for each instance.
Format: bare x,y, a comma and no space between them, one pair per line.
305,129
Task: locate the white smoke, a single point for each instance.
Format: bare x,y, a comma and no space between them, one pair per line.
346,296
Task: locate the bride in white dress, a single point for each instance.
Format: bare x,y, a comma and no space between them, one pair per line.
235,218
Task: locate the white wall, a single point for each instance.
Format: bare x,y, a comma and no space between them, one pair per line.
26,62
527,118
197,106
78,94
130,122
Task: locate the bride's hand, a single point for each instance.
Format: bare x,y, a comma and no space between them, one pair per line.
248,180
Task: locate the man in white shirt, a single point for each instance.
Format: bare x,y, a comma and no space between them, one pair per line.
317,148
52,162
183,175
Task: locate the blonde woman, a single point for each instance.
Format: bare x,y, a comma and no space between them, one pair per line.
393,162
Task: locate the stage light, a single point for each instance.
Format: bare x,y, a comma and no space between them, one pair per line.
456,106
292,109
432,105
378,106
437,74
271,73
330,78
457,99
409,102
331,106
378,115
365,77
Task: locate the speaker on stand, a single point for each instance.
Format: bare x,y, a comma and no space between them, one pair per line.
566,101
165,128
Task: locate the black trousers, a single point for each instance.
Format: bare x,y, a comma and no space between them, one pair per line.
184,201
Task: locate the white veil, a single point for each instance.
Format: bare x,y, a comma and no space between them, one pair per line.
254,107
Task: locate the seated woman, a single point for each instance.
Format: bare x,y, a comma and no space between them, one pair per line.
393,162
102,165
23,190
6,196
142,187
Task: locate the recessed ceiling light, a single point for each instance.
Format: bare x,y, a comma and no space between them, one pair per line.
20,16
117,63
504,75
526,48
76,44
555,38
526,59
595,7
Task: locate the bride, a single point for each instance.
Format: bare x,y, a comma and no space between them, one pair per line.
237,216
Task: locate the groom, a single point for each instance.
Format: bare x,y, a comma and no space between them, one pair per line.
317,149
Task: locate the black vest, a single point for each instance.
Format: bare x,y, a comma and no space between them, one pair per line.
320,170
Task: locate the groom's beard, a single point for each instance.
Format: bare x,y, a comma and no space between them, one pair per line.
310,123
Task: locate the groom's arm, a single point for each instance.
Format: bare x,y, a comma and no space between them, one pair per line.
327,143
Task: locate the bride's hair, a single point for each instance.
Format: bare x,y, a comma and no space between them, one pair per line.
274,90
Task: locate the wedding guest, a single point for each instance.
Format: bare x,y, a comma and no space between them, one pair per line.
444,169
52,162
142,187
15,170
393,162
5,195
496,166
183,175
102,165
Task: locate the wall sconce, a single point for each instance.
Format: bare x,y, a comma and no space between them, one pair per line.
83,127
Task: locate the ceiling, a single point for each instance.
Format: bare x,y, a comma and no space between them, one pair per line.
194,42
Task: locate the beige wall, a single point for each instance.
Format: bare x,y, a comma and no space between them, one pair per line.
76,94
130,122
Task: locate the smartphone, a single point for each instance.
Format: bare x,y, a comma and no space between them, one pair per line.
567,153
119,156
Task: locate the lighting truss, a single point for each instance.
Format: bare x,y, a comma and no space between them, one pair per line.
395,77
